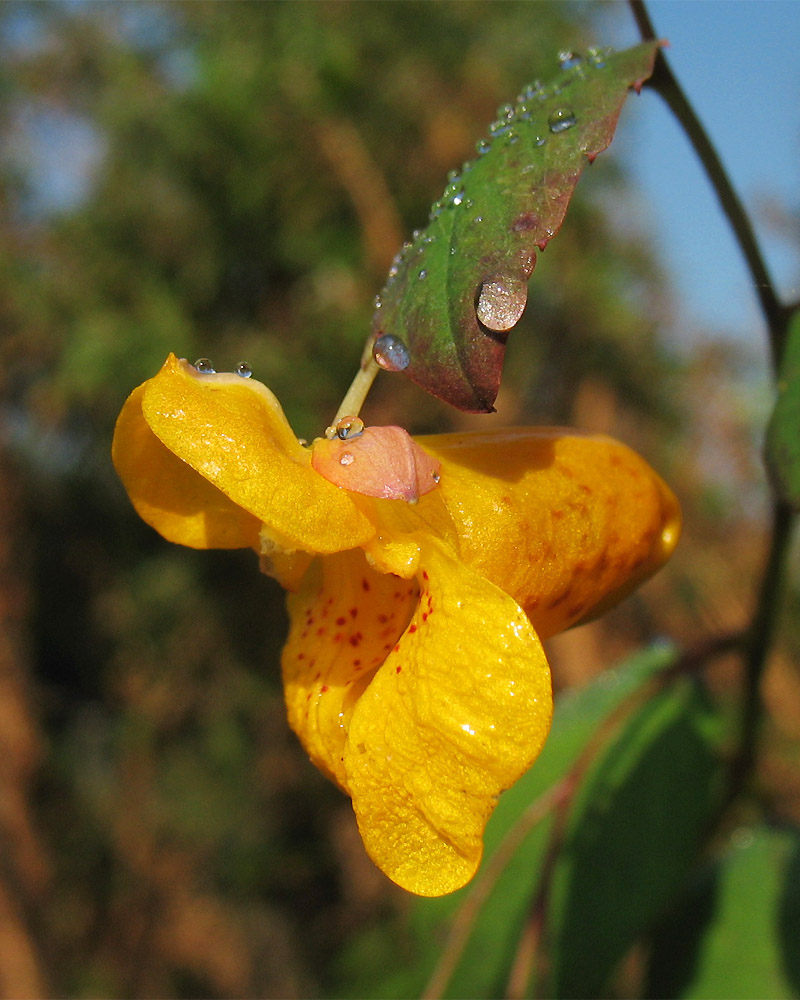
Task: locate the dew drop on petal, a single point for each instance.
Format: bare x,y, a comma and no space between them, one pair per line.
349,427
561,120
346,459
501,302
244,369
205,367
391,353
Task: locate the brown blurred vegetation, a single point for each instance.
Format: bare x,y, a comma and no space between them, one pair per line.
250,170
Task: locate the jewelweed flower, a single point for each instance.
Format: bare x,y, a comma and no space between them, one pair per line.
414,671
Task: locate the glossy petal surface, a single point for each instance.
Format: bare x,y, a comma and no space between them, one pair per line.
233,432
169,495
345,620
457,712
567,524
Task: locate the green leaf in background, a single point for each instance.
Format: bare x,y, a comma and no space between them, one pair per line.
736,933
633,837
456,290
423,950
783,433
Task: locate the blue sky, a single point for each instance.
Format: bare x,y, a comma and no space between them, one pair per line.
739,63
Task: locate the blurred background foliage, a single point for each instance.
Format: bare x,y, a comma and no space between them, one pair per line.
231,181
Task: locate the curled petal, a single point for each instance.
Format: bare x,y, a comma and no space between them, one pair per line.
169,495
233,432
567,524
457,712
382,462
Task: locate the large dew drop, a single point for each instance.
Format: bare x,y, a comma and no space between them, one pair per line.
205,367
501,302
391,353
561,120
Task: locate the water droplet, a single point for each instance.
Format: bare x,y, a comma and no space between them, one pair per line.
423,274
531,92
458,197
377,302
512,138
500,127
597,57
205,367
436,476
453,176
244,369
561,120
501,302
506,111
569,60
482,146
391,353
346,459
349,427
540,140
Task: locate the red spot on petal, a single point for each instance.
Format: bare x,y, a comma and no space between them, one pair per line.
365,584
321,630
425,575
301,656
323,689
425,616
356,663
340,620
353,612
397,648
398,669
412,628
383,619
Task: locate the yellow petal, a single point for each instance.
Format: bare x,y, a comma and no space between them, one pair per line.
457,712
169,495
234,433
344,621
567,524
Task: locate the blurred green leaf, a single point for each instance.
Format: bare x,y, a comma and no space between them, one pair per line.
736,933
632,839
783,433
460,286
481,966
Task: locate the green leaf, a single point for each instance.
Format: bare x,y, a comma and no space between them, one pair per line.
632,840
736,933
460,286
481,967
783,433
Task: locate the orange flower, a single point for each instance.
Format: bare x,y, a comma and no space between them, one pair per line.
414,671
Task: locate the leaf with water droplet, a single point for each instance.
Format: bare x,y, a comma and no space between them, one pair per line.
479,248
783,432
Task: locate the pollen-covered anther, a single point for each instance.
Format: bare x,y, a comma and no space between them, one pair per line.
380,462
